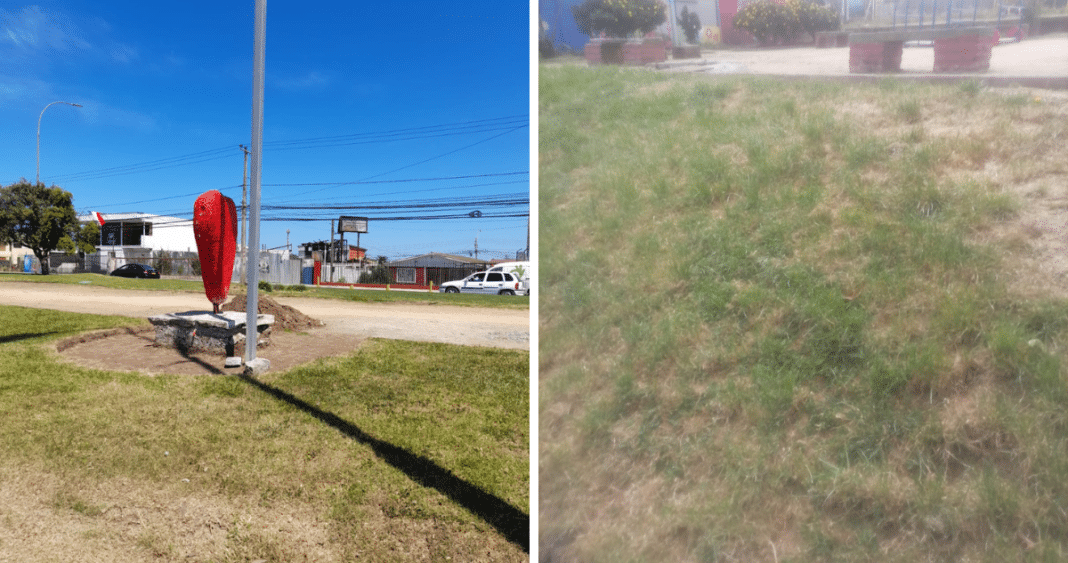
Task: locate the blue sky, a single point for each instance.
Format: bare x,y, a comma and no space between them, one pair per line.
366,104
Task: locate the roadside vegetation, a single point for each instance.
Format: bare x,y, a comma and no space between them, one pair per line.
393,453
359,295
815,330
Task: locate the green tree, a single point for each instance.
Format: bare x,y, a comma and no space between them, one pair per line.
82,239
37,218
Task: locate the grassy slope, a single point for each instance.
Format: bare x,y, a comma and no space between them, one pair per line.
249,460
785,341
367,296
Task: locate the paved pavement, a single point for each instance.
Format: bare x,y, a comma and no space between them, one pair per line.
1037,61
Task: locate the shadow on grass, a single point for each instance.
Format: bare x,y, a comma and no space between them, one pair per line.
509,521
24,336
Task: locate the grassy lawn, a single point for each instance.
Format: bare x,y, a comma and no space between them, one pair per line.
782,321
400,451
358,295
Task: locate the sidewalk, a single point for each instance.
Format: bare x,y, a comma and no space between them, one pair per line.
1038,61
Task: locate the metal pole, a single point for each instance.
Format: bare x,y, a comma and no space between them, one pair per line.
244,206
253,265
39,134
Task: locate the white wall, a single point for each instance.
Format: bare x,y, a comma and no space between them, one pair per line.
172,237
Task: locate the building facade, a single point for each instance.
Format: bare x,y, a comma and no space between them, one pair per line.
138,238
434,268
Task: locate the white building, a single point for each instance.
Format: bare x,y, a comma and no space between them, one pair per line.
134,237
12,257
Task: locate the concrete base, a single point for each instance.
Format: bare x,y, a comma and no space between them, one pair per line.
883,56
963,54
257,366
686,52
202,331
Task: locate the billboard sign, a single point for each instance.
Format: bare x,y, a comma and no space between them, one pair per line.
351,224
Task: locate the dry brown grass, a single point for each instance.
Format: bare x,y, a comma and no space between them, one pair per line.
712,485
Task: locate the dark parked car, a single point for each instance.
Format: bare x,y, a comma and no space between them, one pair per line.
136,271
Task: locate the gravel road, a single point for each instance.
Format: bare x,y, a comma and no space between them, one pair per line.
469,326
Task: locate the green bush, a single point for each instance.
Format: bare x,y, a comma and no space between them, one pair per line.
619,18
774,22
265,286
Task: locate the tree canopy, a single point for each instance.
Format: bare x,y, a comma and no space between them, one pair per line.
41,219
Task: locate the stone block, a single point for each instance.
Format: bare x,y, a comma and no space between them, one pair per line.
257,366
202,331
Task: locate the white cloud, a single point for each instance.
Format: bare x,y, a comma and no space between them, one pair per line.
33,29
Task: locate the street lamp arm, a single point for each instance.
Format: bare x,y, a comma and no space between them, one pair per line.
39,134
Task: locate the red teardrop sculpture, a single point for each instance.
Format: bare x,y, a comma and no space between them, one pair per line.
215,228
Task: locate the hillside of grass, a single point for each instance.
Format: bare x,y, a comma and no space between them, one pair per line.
782,321
400,451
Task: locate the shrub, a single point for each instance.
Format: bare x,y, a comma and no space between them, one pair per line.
265,286
163,263
781,22
690,24
815,18
619,18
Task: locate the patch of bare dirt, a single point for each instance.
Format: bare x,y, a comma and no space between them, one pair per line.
295,339
136,350
285,317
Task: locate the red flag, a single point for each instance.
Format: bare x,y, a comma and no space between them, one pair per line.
99,217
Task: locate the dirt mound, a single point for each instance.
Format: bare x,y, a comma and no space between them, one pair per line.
285,317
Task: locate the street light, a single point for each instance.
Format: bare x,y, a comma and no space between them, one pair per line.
39,135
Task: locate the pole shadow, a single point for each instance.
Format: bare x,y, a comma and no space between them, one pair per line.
508,520
25,336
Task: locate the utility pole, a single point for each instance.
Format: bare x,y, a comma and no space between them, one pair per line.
253,268
244,193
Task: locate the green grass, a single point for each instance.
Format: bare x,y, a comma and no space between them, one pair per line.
799,335
378,442
364,296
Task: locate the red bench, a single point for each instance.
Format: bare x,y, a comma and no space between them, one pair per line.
956,49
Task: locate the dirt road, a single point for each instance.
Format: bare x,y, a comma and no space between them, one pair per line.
469,326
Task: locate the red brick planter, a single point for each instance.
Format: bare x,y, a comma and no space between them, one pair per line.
644,51
604,51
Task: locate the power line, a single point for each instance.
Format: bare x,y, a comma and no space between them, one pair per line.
508,124
401,181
